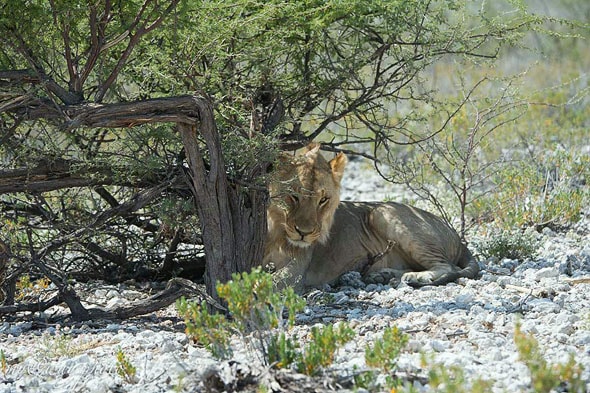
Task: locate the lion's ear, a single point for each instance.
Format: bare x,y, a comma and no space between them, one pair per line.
312,147
338,164
311,152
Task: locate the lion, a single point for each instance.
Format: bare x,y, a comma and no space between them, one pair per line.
313,238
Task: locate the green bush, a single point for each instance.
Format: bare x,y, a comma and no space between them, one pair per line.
211,330
383,355
320,351
451,379
125,368
254,307
256,310
384,352
546,377
515,244
548,189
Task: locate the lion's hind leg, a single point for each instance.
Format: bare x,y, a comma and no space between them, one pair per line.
425,247
393,277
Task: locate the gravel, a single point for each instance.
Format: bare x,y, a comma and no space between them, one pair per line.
469,324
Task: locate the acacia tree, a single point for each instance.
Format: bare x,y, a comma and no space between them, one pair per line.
105,106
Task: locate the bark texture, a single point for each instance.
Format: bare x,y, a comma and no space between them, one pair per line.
233,218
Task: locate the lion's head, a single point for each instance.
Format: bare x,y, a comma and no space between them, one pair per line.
305,193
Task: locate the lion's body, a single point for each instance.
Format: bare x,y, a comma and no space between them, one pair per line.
313,238
371,237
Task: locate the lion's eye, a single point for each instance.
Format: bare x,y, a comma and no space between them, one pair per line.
324,200
294,198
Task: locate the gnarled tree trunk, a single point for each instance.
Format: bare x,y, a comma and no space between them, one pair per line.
232,217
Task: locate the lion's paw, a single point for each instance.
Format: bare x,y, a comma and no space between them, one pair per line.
351,279
419,279
384,276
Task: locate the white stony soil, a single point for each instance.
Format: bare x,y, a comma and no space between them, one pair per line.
468,324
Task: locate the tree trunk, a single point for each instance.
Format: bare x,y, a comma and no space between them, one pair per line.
232,217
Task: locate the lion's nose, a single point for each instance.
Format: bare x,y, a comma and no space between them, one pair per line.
302,232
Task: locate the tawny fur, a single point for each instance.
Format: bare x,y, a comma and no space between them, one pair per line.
313,238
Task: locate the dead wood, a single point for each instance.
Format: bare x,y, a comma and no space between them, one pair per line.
31,307
175,289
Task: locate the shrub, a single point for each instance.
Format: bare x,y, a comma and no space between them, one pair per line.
545,377
509,244
451,379
546,190
256,309
385,351
320,351
125,368
210,330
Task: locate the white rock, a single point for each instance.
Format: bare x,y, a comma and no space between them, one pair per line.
465,298
438,345
546,272
111,294
543,306
101,384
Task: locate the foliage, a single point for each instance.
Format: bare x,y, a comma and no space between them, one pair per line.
383,355
451,379
322,347
546,377
210,330
254,303
58,345
547,190
282,351
516,244
3,363
25,288
125,368
256,310
384,352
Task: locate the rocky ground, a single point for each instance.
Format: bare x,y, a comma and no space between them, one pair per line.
469,324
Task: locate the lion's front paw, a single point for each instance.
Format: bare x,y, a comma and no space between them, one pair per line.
384,276
419,279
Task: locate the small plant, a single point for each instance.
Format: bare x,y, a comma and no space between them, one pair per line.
451,379
3,363
256,311
547,189
26,287
320,351
125,368
179,386
282,351
210,330
254,303
509,244
385,351
383,354
55,346
545,377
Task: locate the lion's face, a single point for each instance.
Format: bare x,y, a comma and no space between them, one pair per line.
304,196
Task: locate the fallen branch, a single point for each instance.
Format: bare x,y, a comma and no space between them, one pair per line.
31,307
175,288
580,280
